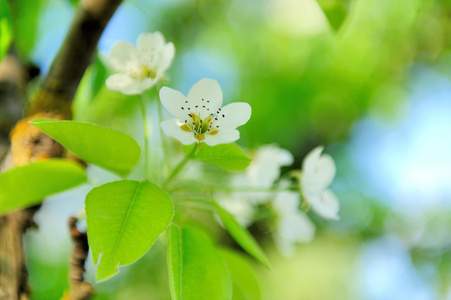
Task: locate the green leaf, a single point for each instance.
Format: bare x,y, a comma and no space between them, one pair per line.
124,219
74,2
5,29
105,147
228,156
28,185
242,236
245,282
25,16
195,269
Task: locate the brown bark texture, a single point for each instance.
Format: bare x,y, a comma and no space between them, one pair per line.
53,100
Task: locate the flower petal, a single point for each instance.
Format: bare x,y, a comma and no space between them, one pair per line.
166,58
297,227
319,177
146,83
265,166
223,137
171,129
206,92
174,102
311,159
286,203
123,83
149,47
294,228
124,57
326,205
233,115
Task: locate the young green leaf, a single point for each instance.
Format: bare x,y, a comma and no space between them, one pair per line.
245,282
124,219
195,269
229,156
105,147
28,185
242,236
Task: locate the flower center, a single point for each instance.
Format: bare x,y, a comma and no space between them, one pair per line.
200,126
200,120
143,73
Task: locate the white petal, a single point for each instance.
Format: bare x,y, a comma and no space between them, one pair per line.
311,159
123,83
233,115
124,57
326,205
284,157
149,46
286,203
265,166
146,83
318,175
294,228
298,228
226,137
174,102
206,92
171,129
167,56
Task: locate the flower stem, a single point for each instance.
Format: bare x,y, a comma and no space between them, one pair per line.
146,137
163,140
180,166
243,189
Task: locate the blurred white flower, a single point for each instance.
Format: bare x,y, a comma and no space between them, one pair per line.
199,116
261,174
264,170
139,68
293,226
318,171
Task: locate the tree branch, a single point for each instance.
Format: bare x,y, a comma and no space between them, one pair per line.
53,100
78,288
75,54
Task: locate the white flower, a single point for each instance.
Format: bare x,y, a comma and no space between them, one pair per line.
199,116
293,226
318,171
262,172
264,169
141,67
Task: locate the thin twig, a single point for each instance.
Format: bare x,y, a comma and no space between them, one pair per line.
78,288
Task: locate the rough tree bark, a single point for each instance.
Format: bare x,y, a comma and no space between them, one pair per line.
53,100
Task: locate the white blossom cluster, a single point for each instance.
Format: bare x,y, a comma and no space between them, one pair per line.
200,118
262,178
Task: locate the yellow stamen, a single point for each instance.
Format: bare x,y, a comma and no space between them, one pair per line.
185,127
213,132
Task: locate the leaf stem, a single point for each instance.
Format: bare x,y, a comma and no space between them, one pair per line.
146,137
180,166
